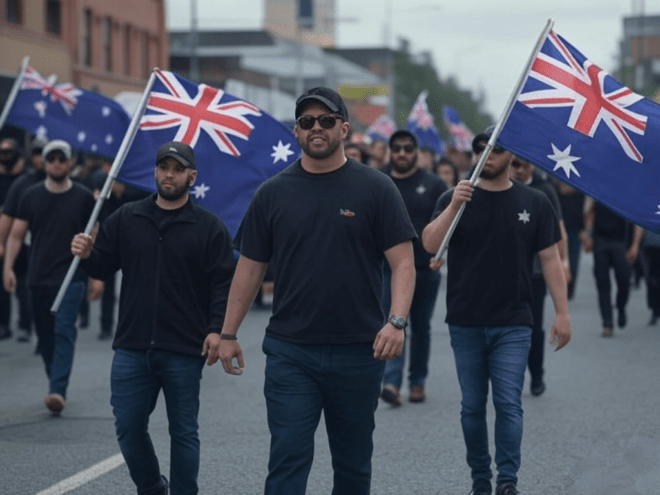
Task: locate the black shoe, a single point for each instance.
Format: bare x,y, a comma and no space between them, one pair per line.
481,487
653,321
507,489
622,320
5,333
537,387
84,321
105,335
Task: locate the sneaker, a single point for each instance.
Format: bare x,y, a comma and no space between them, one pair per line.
391,395
481,487
54,402
5,333
417,393
607,332
537,387
653,321
622,320
24,335
507,489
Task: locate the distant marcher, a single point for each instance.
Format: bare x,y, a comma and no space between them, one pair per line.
447,171
327,223
651,247
378,154
357,152
177,262
572,207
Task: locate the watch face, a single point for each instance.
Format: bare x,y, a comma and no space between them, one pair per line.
397,321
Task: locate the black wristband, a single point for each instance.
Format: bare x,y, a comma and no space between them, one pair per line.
227,336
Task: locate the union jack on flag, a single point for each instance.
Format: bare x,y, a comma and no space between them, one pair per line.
578,123
420,123
461,135
237,145
382,128
67,94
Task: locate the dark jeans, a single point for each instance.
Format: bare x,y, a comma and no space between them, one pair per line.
57,333
537,349
574,250
498,355
340,380
108,305
652,254
421,311
136,379
611,254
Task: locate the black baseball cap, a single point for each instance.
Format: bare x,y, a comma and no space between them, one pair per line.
482,136
403,133
328,97
179,151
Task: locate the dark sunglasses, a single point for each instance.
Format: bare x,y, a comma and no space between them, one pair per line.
496,149
408,148
56,156
326,121
516,164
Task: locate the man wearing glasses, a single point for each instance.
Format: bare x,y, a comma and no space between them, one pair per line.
489,304
420,190
53,210
326,223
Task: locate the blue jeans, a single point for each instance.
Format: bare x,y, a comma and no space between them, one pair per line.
421,311
340,380
498,354
57,333
136,379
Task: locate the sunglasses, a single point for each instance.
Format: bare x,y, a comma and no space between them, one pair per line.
57,156
408,148
516,164
326,121
481,147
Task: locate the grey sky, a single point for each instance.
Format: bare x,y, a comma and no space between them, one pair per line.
483,43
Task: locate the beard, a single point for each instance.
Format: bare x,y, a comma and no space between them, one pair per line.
319,154
493,174
59,178
404,167
172,195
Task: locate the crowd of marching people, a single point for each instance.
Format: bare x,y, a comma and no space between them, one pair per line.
334,348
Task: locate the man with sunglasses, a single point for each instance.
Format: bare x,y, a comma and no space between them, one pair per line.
34,174
327,223
489,303
53,210
420,190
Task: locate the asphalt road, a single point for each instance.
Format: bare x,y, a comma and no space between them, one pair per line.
595,431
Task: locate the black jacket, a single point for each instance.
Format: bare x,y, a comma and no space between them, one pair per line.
175,278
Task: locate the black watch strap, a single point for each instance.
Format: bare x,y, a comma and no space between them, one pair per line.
397,321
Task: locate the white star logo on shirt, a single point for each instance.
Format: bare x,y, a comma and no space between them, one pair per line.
281,152
564,160
200,191
420,189
523,217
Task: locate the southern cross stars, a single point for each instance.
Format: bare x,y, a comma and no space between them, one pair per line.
281,152
564,160
200,191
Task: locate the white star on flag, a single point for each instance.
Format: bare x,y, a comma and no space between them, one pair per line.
40,106
94,148
658,212
42,131
108,139
105,111
281,152
523,217
564,160
81,136
200,191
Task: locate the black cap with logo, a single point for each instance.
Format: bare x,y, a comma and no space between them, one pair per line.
328,97
179,151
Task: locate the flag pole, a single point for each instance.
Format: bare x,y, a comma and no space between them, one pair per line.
105,192
14,92
496,132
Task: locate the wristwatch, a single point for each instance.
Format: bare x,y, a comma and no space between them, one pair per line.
397,321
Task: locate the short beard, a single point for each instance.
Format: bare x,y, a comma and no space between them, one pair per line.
59,179
333,145
404,168
488,175
174,195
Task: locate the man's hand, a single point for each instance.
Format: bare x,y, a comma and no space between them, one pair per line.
462,193
436,264
216,349
388,342
631,254
560,333
81,245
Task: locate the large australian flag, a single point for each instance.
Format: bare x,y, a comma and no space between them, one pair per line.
574,120
88,121
237,145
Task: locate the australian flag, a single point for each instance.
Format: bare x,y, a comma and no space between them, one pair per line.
574,120
382,128
86,120
462,136
420,123
237,145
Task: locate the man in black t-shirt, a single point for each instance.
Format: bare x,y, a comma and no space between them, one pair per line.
420,190
489,303
53,211
327,223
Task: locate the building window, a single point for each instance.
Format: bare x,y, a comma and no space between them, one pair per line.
14,12
54,16
127,50
146,69
106,40
86,38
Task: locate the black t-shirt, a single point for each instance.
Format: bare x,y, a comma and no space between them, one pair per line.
6,181
609,225
489,259
18,188
543,185
325,235
420,193
53,221
572,207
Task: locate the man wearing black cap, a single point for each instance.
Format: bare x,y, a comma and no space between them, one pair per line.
489,303
177,263
53,211
327,223
420,190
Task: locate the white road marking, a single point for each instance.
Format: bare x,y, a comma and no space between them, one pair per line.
85,476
